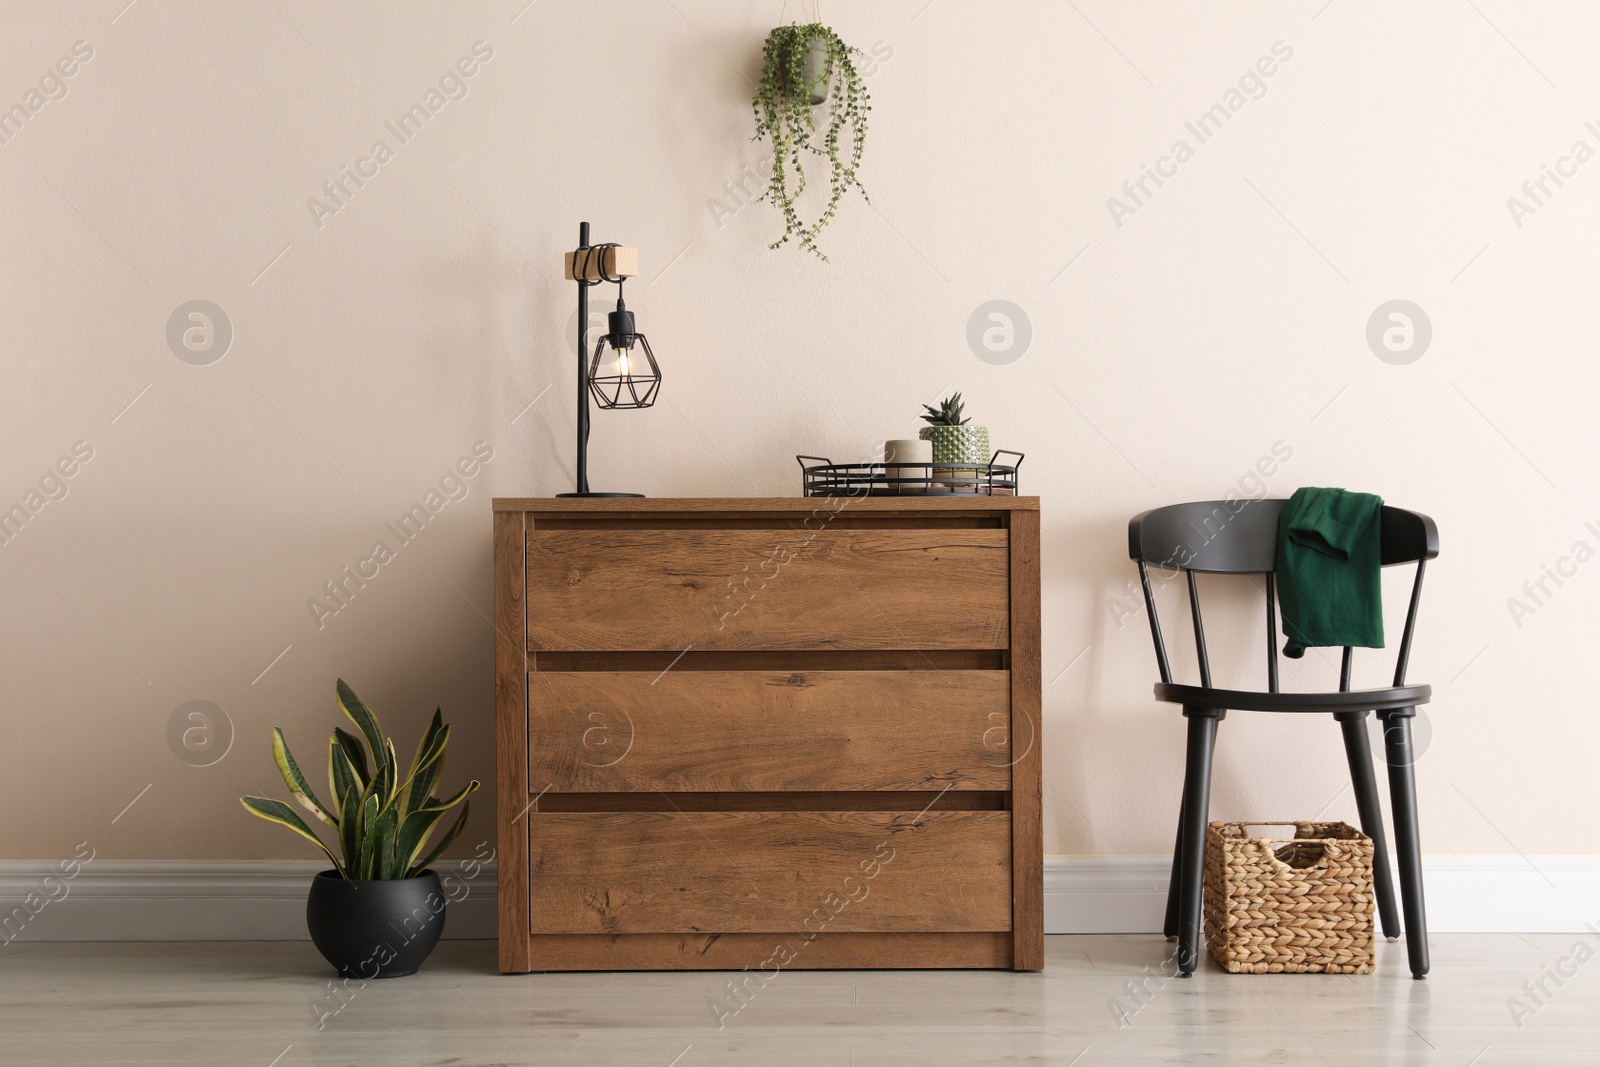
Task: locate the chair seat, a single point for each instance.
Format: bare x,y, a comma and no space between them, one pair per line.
1400,696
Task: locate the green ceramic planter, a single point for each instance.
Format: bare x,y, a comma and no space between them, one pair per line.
957,444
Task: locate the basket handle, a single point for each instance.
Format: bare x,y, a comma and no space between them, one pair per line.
1296,823
1276,822
824,460
1330,849
1330,852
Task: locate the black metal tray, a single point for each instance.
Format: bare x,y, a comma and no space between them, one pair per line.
823,477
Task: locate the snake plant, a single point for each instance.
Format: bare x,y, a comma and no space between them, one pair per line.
382,821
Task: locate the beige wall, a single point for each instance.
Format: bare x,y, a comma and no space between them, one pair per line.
374,346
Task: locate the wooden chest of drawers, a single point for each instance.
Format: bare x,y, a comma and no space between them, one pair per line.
768,733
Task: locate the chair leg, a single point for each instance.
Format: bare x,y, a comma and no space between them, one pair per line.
1169,926
1358,750
1196,807
1403,801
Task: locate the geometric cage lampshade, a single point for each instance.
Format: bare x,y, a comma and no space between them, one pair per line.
624,373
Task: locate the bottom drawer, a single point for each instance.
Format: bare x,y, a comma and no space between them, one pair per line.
766,954
769,871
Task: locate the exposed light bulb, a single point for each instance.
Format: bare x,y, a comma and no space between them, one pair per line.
622,363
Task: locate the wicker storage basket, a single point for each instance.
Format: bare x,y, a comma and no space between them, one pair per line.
1289,904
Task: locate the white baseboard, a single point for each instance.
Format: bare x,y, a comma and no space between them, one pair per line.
1465,894
181,900
194,900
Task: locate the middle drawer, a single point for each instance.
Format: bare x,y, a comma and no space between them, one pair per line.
752,731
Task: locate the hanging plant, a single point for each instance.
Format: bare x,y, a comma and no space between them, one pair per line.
805,66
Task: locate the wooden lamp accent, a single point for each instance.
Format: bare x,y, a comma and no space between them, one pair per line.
603,264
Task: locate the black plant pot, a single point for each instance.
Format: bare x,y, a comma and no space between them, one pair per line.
375,929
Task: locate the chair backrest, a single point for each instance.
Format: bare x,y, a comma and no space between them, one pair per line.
1241,537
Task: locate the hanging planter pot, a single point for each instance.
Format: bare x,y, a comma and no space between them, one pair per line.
818,69
803,67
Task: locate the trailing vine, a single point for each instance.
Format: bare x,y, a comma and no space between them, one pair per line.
785,115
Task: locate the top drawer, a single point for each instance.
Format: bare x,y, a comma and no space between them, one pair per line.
600,589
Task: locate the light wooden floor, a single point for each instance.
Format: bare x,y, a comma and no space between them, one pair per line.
256,1004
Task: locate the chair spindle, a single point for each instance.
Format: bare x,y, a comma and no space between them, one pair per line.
1272,633
1155,624
1404,658
1199,632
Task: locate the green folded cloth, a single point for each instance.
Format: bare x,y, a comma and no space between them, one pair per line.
1329,558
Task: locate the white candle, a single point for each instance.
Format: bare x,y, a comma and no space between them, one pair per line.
914,451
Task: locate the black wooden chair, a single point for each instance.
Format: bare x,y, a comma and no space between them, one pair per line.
1240,537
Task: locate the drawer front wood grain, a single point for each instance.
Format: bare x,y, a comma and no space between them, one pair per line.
760,872
674,589
749,731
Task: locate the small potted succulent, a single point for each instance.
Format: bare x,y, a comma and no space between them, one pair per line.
954,441
379,911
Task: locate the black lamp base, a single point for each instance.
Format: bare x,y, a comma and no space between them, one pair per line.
606,496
